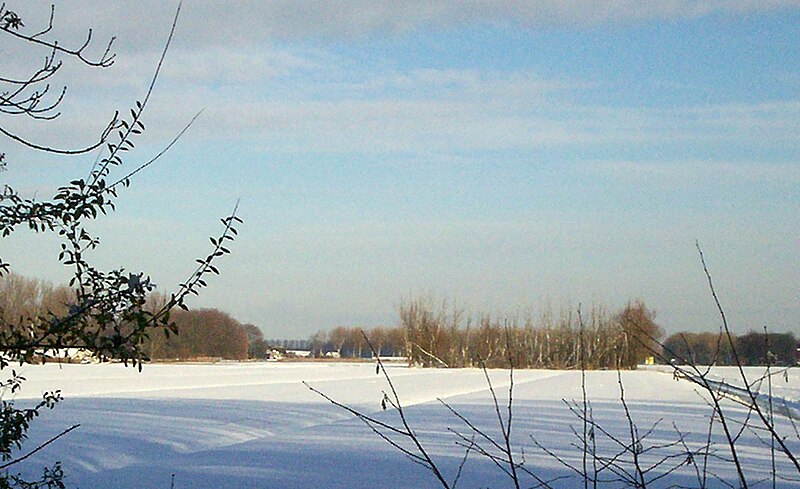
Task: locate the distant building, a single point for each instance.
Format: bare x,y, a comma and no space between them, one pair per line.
298,353
72,355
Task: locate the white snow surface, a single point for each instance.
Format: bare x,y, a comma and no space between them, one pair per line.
254,425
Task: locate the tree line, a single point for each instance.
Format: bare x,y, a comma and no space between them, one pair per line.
203,333
752,348
434,334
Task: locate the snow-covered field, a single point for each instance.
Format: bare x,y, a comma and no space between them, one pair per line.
256,425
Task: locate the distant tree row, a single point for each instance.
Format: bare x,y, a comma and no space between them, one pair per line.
433,335
25,299
202,332
290,344
752,348
439,336
350,343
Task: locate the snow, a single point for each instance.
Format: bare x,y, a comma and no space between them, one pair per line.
257,425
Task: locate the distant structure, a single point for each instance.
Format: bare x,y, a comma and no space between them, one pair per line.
274,355
298,353
71,355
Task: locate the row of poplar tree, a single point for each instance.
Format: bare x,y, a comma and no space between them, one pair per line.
435,334
440,335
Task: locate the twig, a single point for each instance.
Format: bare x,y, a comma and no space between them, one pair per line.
40,447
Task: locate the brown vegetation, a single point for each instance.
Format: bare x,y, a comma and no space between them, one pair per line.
202,333
23,299
438,335
448,337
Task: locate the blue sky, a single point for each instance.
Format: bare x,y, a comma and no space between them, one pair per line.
503,155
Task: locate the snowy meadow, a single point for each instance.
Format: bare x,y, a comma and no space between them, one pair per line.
257,425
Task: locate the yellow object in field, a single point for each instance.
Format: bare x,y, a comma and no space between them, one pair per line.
650,361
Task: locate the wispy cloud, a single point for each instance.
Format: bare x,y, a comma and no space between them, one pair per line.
501,121
291,19
304,102
672,173
252,21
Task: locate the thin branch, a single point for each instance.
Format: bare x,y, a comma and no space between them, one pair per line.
40,447
106,60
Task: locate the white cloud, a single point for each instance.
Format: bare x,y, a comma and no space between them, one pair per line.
303,102
143,24
289,19
324,103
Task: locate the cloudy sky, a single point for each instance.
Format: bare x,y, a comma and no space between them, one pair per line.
505,155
